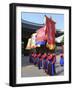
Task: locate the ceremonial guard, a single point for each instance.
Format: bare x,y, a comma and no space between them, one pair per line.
40,63
49,69
32,57
44,60
61,60
47,64
51,64
35,56
38,57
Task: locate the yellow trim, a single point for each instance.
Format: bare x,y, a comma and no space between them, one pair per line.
50,46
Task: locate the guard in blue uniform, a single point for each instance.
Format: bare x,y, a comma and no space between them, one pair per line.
40,62
31,58
37,59
46,64
44,60
61,60
51,64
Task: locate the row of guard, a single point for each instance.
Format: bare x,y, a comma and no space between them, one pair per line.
46,62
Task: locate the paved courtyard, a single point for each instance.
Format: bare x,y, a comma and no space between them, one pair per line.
29,70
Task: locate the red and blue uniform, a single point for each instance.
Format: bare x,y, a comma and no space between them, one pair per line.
61,60
44,60
30,58
51,64
40,63
35,56
38,56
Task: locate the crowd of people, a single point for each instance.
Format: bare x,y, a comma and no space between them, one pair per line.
46,62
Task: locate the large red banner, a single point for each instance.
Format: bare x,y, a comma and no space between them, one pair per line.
50,29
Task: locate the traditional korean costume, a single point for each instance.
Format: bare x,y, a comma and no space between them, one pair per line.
51,65
61,60
40,63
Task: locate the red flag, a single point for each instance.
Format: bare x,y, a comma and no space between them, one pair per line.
50,31
41,34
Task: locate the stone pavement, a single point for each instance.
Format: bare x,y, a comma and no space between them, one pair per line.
29,70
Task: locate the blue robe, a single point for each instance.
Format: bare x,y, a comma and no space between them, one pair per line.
61,61
39,64
46,64
52,67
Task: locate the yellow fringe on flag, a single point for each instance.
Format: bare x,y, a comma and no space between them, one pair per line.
50,46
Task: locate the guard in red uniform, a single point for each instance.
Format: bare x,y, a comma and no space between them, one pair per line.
51,65
32,57
38,57
46,63
35,56
40,63
61,60
44,60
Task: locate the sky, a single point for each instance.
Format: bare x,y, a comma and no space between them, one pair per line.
39,18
